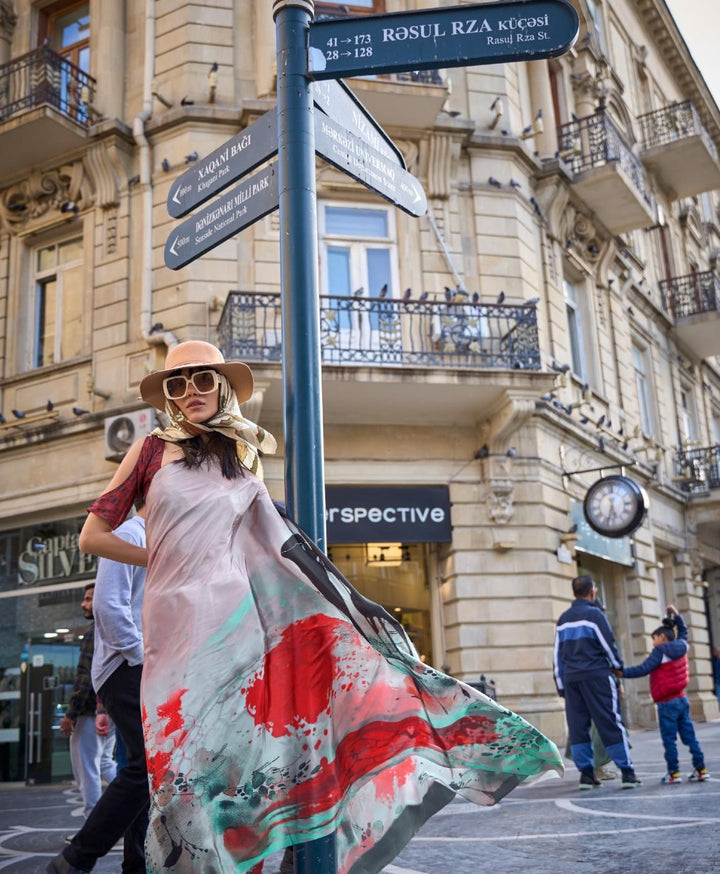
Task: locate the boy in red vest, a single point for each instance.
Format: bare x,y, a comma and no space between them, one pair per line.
669,676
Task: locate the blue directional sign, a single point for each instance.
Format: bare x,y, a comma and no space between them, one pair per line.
335,99
456,36
339,147
254,198
241,154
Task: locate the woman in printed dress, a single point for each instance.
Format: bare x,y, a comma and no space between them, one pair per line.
279,705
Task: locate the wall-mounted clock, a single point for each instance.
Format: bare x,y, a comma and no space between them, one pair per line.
615,506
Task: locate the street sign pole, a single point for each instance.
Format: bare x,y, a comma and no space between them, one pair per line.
298,271
302,386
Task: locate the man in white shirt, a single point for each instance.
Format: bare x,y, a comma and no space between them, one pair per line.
116,673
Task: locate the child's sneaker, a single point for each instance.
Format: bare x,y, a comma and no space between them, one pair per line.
672,777
699,775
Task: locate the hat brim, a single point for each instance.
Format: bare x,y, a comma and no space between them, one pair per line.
238,375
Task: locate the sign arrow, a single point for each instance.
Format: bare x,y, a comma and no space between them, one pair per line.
459,36
341,148
336,100
254,198
241,154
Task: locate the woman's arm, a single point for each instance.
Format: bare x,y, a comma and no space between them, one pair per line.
97,537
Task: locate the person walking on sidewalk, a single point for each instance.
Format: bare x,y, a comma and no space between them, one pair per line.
116,673
667,665
585,652
91,755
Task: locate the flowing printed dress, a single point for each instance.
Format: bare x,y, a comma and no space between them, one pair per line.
279,705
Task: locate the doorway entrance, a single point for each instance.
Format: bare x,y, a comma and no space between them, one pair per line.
46,684
40,638
395,576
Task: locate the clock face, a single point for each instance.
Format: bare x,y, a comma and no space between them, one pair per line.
615,506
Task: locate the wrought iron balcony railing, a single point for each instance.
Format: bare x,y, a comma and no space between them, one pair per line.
594,141
388,332
45,78
423,77
692,294
698,470
673,123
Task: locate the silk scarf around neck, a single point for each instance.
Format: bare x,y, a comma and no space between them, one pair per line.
249,438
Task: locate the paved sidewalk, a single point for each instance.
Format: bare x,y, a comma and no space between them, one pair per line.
547,828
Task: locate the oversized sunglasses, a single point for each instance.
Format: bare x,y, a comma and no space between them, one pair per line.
203,381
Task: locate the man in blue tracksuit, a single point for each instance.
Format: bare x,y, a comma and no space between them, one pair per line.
585,655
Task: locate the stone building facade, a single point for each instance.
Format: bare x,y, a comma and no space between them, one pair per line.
552,319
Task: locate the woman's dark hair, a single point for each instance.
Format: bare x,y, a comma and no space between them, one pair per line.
215,447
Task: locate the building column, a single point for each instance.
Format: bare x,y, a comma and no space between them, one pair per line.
541,98
107,23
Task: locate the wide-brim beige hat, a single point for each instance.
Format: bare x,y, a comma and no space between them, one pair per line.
197,353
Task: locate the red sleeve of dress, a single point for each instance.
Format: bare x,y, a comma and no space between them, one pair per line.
114,505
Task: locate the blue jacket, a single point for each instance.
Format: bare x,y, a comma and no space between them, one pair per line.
667,666
584,645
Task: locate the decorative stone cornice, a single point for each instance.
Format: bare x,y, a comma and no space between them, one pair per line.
8,20
512,412
103,171
64,190
440,154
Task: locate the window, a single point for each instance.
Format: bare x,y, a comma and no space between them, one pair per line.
716,427
58,302
557,90
359,262
579,333
65,28
643,386
596,15
687,416
663,566
359,250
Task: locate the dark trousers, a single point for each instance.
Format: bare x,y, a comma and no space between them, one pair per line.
674,719
123,807
595,699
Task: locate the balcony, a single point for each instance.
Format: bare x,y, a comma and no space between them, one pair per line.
693,303
698,474
403,99
608,176
411,99
45,108
698,470
393,359
679,150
